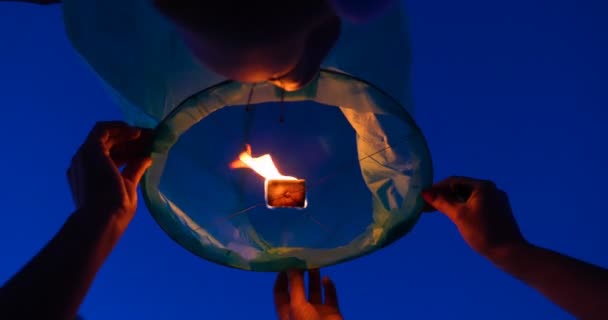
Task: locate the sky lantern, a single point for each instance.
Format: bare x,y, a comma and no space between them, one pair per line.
346,160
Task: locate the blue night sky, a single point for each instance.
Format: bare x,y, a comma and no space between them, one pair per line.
513,91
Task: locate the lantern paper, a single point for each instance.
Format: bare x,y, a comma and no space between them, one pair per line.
149,70
353,207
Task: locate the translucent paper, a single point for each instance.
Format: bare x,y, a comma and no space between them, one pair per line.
354,206
363,158
149,70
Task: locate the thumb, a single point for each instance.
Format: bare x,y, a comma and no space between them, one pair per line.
136,169
440,199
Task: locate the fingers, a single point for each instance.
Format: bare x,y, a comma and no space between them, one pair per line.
120,142
315,295
451,194
139,147
102,131
108,146
110,133
135,169
106,140
281,296
135,154
297,291
331,295
289,291
437,199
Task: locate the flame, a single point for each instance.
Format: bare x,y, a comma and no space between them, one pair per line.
262,165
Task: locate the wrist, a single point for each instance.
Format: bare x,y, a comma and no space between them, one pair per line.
95,218
508,256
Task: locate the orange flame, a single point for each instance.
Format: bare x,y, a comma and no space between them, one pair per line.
262,165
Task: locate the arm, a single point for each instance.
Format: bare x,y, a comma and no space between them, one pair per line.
485,221
34,1
578,287
54,283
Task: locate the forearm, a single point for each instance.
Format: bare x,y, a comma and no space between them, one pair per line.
578,287
54,283
35,1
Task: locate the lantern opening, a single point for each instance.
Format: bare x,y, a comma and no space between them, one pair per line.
364,159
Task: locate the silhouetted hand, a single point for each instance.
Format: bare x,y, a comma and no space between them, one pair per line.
481,212
97,183
290,297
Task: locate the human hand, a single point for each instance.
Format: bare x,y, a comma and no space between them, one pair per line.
95,178
290,297
481,212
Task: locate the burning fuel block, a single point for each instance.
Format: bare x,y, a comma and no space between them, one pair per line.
285,193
